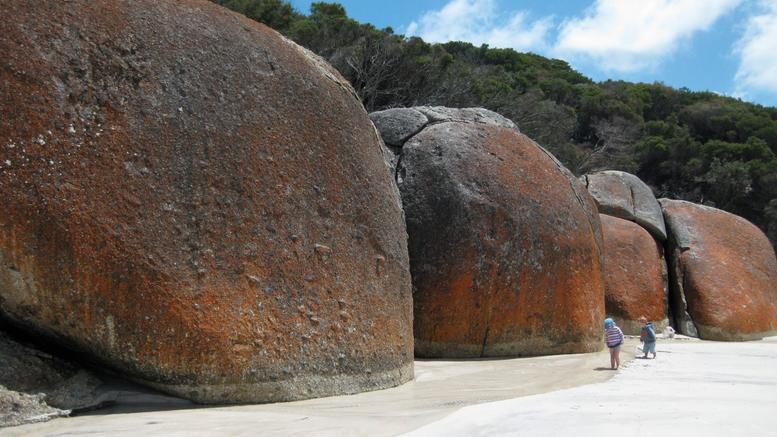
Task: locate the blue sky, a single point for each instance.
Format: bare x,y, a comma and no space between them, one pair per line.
724,46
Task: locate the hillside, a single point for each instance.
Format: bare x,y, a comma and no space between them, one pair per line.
696,146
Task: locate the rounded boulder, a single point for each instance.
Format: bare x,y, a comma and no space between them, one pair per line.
635,275
624,195
198,203
724,274
504,242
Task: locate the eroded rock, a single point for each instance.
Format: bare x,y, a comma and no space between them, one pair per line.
398,124
63,384
22,408
635,275
504,242
624,195
171,173
724,274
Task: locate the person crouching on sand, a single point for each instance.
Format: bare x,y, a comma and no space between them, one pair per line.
648,337
614,338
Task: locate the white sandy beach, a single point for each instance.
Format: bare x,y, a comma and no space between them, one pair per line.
693,388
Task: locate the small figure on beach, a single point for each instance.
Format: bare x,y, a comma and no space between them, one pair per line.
648,337
614,338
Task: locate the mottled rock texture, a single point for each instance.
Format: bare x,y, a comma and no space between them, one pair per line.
37,386
398,124
504,241
723,274
635,275
20,408
624,195
197,202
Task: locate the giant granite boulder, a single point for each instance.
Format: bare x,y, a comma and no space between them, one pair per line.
724,273
197,202
635,275
504,242
624,195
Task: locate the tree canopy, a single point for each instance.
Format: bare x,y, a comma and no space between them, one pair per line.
696,146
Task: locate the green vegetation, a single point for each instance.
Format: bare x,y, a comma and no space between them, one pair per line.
696,146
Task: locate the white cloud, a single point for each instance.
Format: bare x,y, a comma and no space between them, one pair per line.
629,35
757,70
478,22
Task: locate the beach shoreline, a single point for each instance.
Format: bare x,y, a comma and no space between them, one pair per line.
440,387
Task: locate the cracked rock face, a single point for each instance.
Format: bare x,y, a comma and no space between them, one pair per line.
398,124
504,242
624,195
635,275
723,274
197,202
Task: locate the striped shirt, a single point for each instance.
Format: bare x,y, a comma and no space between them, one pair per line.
614,336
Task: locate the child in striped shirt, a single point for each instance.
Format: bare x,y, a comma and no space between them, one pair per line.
614,337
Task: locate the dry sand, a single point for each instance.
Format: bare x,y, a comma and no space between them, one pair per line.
440,388
693,388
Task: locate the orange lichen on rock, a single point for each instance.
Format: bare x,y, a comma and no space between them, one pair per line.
171,173
724,273
635,275
504,242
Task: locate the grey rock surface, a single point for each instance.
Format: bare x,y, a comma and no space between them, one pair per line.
624,195
396,125
22,408
53,383
678,241
437,114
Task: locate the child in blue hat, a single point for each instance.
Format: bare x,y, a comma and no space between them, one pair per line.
614,338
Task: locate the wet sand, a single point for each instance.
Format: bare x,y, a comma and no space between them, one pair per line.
440,388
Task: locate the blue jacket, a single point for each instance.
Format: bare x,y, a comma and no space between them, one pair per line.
648,335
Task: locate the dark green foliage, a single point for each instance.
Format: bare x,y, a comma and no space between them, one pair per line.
697,146
770,213
277,14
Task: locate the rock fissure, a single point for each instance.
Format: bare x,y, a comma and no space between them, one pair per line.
686,323
635,275
723,273
416,132
399,171
485,341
